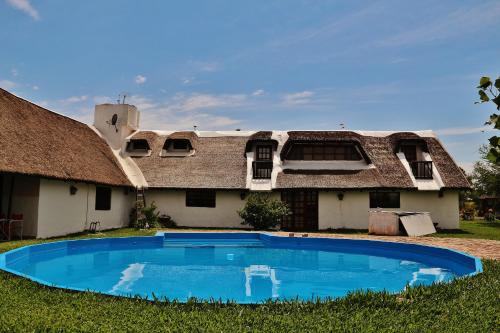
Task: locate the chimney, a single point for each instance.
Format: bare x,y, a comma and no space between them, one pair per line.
115,122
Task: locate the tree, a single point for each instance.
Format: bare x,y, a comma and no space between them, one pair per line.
490,92
486,175
263,212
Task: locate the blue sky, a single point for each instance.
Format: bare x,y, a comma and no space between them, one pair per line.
310,64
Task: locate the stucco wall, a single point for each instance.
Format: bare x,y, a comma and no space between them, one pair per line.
60,213
173,203
352,211
444,210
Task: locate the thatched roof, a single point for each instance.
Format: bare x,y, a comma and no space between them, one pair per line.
388,172
260,137
216,163
330,179
36,141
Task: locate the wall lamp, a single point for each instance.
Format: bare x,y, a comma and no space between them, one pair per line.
73,189
340,195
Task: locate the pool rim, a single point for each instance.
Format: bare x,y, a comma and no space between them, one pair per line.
161,235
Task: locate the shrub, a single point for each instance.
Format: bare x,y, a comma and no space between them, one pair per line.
263,212
147,218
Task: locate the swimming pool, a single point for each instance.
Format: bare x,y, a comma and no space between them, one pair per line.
242,267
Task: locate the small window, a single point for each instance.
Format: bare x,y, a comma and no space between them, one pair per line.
264,153
177,145
200,198
138,146
410,152
102,198
324,152
181,145
384,200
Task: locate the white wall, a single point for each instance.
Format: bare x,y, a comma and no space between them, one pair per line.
352,211
224,215
444,210
118,215
60,213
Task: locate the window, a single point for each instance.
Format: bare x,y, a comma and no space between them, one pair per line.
410,152
177,145
264,153
102,198
384,200
138,145
324,152
180,145
200,198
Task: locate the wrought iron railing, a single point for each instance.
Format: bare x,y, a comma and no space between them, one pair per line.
262,169
422,169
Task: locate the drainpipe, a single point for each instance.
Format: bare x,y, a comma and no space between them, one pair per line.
87,211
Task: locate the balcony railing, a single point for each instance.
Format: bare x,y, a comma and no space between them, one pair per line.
262,169
422,169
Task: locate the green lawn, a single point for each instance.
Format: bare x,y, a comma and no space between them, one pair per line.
474,229
465,305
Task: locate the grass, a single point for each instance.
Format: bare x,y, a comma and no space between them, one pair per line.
473,229
465,305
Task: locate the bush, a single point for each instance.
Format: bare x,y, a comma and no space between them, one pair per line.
166,221
148,216
263,212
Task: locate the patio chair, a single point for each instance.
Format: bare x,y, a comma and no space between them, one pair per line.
13,226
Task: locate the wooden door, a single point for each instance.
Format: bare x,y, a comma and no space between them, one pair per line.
304,207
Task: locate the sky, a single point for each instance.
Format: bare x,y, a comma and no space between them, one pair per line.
262,64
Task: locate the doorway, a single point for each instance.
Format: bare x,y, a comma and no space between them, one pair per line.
304,210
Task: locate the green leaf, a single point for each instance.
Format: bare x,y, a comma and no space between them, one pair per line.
484,83
496,100
497,83
493,155
494,141
483,97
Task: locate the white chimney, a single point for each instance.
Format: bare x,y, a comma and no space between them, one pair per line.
115,122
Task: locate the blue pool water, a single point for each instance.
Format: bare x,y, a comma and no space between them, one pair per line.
243,267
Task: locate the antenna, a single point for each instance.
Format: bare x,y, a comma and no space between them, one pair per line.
122,97
342,126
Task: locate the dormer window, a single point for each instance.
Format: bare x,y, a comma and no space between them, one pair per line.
178,145
140,146
324,152
414,151
263,163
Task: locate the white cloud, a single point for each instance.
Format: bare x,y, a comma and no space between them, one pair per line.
462,130
205,101
258,92
139,79
298,98
73,99
14,72
180,111
35,87
458,22
207,66
467,166
7,85
26,7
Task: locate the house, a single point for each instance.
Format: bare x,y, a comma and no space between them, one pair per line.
330,179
